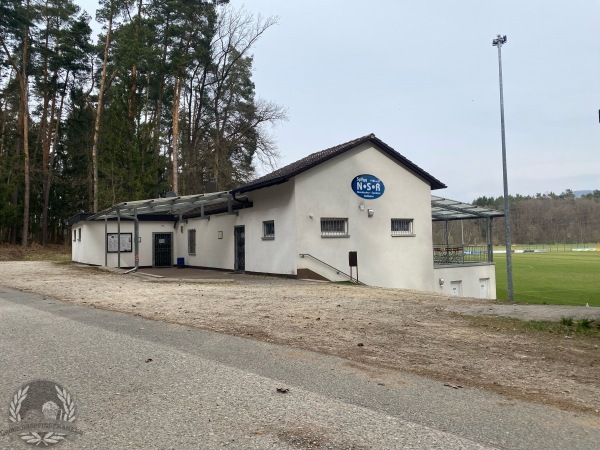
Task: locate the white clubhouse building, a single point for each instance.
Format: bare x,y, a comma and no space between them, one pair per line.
304,220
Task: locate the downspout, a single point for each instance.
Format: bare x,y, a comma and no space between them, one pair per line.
232,193
136,245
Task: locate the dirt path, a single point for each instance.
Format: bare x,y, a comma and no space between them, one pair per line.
374,328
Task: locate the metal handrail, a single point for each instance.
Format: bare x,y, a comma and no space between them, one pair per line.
302,255
460,254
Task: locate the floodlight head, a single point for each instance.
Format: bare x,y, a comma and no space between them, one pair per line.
499,41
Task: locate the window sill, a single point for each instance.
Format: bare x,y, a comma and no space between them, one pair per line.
340,236
403,235
191,254
268,238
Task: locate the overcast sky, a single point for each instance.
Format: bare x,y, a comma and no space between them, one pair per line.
423,76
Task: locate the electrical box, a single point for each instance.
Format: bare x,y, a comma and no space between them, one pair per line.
352,259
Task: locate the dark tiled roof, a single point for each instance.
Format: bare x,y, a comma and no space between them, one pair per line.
291,170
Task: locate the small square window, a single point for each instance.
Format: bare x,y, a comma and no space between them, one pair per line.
402,227
334,227
192,242
269,229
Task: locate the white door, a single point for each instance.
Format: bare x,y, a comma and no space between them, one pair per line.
456,288
484,287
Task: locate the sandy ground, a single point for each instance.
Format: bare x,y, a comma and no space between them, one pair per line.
379,331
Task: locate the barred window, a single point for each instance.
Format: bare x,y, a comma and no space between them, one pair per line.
334,227
269,229
74,235
192,242
79,235
402,227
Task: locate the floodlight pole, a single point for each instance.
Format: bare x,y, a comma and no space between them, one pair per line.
498,42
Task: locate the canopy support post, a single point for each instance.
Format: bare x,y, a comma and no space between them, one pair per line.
118,238
105,241
490,244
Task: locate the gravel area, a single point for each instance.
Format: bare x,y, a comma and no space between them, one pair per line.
377,328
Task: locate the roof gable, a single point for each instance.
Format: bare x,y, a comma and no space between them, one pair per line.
291,170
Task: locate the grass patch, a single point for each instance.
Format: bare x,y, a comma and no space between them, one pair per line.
560,278
565,327
35,252
566,321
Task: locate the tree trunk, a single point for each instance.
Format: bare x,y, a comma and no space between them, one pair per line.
175,154
25,106
132,94
98,116
55,123
27,195
47,173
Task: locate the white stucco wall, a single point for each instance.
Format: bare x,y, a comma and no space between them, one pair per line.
91,248
325,191
277,256
477,281
210,250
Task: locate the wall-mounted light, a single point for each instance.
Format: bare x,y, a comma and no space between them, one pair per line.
311,215
370,212
441,281
220,235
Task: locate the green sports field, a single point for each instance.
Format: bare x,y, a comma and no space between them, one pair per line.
566,278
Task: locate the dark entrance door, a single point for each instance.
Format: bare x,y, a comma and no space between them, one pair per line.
162,250
240,248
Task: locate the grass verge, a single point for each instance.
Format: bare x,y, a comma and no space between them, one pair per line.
35,252
567,326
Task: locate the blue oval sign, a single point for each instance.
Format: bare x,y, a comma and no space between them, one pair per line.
368,186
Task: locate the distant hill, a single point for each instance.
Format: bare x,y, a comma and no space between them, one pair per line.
580,193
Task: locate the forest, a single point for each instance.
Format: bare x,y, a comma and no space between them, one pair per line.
540,219
162,100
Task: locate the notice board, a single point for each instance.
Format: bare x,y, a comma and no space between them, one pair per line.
112,242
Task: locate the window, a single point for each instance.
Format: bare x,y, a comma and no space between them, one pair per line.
192,242
74,235
402,227
79,234
269,229
334,227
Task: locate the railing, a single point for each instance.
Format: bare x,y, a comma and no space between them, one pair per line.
459,254
338,271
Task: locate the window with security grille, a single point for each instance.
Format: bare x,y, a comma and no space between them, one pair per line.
269,229
79,234
402,227
334,227
192,242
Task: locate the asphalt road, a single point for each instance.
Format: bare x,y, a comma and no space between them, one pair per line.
204,390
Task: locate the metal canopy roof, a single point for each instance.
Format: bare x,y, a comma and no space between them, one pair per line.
168,205
446,209
441,208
